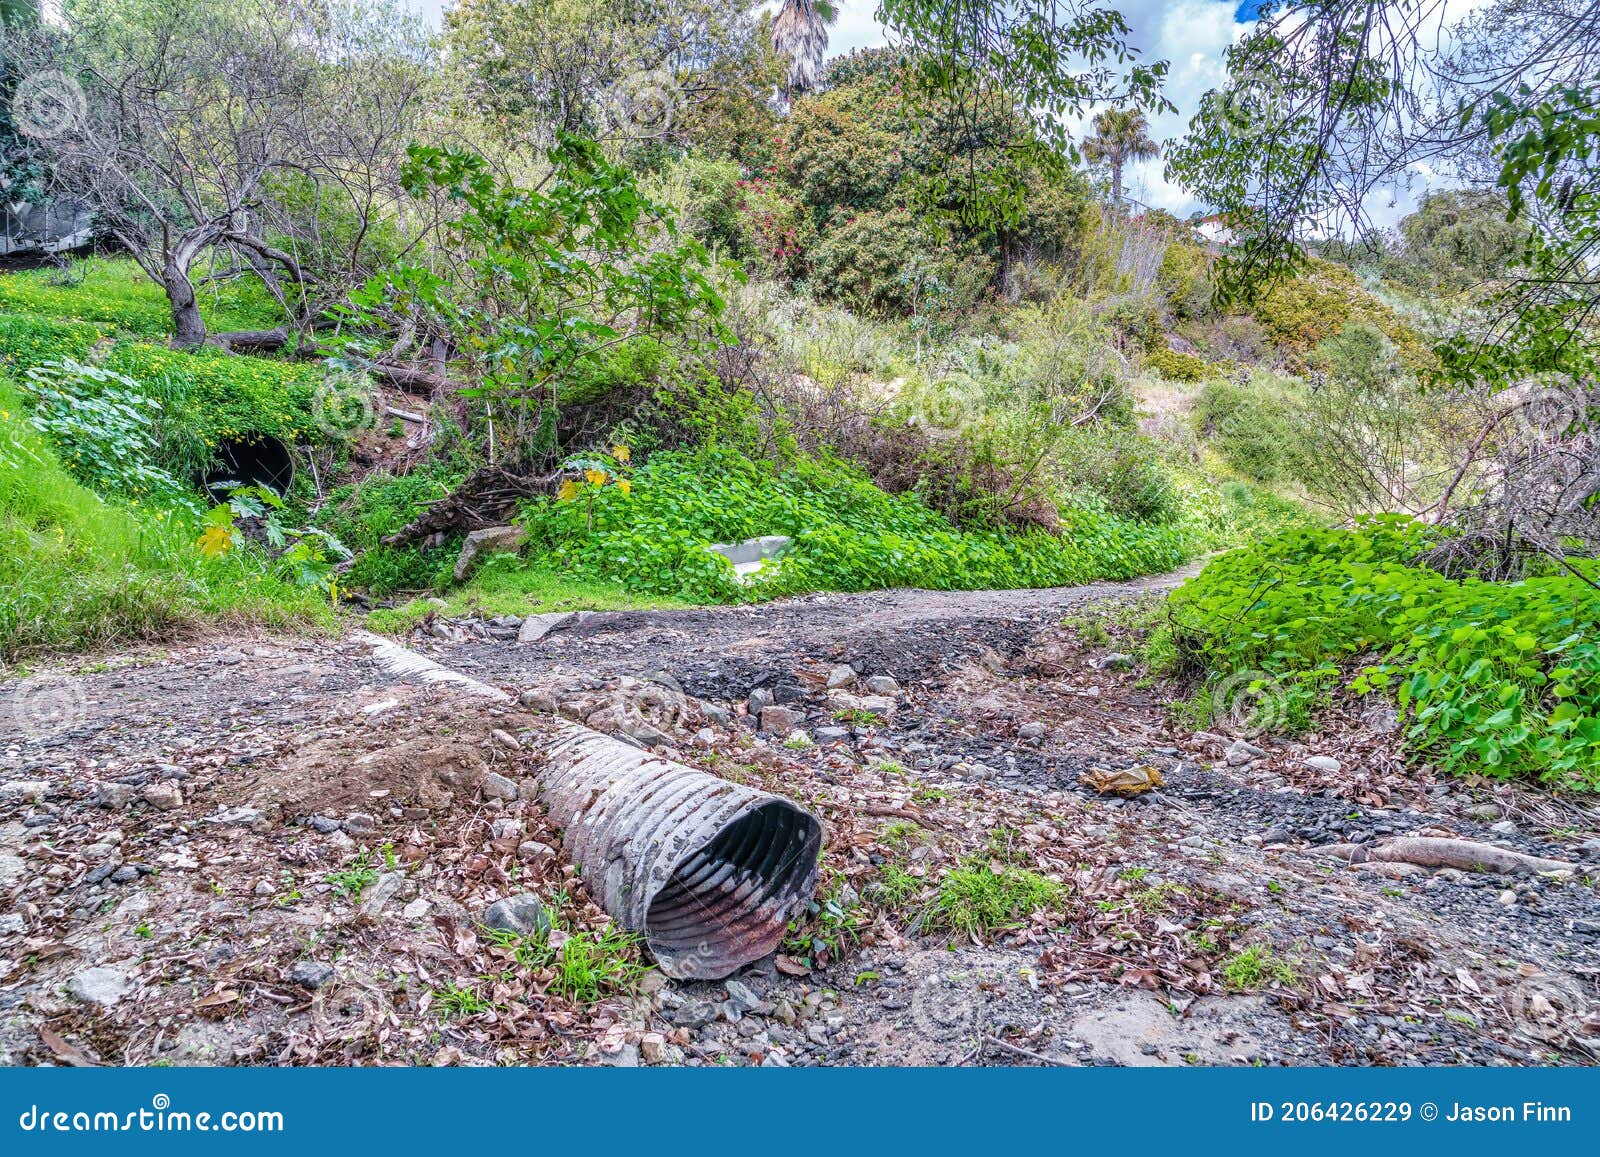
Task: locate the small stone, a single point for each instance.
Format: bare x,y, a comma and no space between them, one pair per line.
841,675
760,699
125,874
113,796
696,1014
102,986
832,734
264,888
1240,753
360,824
10,924
162,796
742,995
717,713
1117,661
883,685
1504,827
1508,898
652,1047
523,914
496,786
239,817
505,828
310,973
531,851
774,1060
779,720
1485,813
382,890
1324,763
416,910
1031,731
324,825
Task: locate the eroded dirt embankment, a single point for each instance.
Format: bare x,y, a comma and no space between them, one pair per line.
276,851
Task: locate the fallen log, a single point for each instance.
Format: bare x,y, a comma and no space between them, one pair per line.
251,340
1439,852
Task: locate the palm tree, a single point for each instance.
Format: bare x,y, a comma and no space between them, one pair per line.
801,33
1121,135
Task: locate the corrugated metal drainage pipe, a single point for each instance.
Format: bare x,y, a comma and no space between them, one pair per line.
710,872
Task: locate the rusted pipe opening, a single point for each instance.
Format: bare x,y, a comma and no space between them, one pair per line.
728,902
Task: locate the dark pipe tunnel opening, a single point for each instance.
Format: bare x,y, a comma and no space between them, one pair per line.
250,460
731,900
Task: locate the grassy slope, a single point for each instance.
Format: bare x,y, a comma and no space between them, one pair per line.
78,574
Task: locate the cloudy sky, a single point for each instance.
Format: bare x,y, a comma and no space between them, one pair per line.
1189,34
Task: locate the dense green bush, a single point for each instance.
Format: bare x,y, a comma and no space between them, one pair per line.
1177,367
1120,469
362,515
1502,678
1251,426
884,263
849,535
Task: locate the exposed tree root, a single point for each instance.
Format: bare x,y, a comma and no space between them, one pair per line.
486,497
1437,852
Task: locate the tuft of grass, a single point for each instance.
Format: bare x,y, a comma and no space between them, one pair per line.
584,966
460,1000
1256,967
981,897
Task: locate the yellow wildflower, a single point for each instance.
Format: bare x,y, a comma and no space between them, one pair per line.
624,485
621,453
595,477
569,488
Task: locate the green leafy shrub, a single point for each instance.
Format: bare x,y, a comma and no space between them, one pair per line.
883,263
1251,426
363,514
103,427
1497,678
1122,470
849,535
1178,367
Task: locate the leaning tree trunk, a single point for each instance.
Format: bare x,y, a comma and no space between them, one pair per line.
188,327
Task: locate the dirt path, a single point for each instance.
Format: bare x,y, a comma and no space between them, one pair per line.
276,852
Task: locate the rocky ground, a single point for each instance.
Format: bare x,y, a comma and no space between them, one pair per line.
276,851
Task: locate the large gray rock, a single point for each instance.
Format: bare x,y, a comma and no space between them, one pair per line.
523,914
486,541
101,986
751,555
536,627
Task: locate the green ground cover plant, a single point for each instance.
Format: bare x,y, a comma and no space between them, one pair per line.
1497,677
